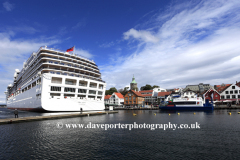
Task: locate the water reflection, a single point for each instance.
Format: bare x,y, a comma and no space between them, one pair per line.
216,139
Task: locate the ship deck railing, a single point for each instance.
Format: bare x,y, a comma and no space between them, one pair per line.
64,52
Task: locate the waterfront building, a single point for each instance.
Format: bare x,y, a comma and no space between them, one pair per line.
151,96
107,99
198,88
212,94
163,97
133,99
189,94
231,94
56,80
116,99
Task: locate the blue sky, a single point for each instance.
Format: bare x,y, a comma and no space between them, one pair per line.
162,42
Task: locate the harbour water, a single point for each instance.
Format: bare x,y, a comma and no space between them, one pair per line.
217,138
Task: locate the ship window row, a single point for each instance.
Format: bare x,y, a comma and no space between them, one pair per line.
70,65
74,82
72,73
185,103
72,90
72,60
68,96
21,90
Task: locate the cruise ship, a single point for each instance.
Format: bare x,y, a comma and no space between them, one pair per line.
56,80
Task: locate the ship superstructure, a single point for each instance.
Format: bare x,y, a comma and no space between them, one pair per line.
56,80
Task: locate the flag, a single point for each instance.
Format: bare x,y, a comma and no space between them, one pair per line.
70,49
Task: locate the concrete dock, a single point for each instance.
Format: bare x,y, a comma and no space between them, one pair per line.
59,116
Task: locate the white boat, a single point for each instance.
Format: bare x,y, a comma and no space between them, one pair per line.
55,80
188,104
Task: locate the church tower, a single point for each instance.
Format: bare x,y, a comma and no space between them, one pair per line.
133,84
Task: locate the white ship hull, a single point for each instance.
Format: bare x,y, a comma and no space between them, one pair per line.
29,100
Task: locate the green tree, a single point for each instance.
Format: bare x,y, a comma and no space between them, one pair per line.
110,91
124,91
155,86
147,87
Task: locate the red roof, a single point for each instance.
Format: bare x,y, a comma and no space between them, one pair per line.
107,96
137,93
119,95
160,94
146,91
225,85
238,84
147,95
222,88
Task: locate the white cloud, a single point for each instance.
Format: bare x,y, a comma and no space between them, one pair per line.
8,6
13,53
197,44
83,53
141,35
107,45
79,24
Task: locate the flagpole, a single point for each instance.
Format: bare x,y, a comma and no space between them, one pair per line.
74,50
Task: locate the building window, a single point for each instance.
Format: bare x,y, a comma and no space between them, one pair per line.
56,80
231,92
92,92
66,89
226,92
222,97
54,94
233,96
228,96
82,90
93,85
70,82
216,96
134,102
126,102
126,98
68,95
99,93
130,102
238,96
129,94
83,83
54,88
233,87
236,91
134,98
